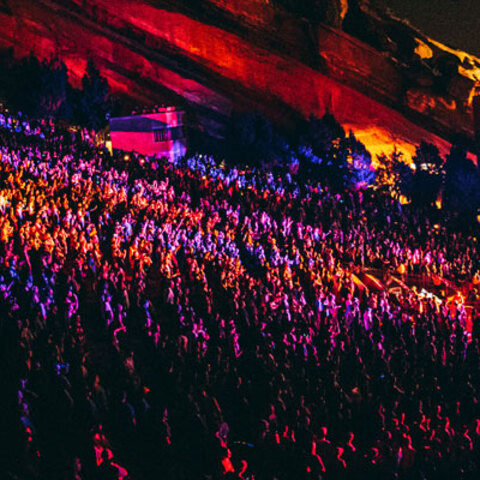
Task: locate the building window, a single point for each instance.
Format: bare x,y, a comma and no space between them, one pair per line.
162,135
167,134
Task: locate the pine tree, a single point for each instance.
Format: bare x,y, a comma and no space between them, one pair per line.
94,101
462,182
428,177
52,87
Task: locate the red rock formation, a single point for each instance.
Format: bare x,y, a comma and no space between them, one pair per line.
215,55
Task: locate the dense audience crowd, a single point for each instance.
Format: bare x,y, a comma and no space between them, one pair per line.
190,320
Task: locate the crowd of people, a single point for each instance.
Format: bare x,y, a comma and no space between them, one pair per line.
192,320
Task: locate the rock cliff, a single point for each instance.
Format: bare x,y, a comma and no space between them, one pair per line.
378,75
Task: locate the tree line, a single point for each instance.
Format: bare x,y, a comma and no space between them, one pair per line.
320,148
42,89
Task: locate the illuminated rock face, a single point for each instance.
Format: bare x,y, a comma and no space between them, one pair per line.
212,56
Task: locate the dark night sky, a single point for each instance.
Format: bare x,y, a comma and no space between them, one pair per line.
454,22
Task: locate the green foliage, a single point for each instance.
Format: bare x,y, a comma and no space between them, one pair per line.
457,179
356,162
403,179
425,188
320,133
53,88
462,183
394,175
427,158
94,99
428,178
252,139
318,152
41,89
327,154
